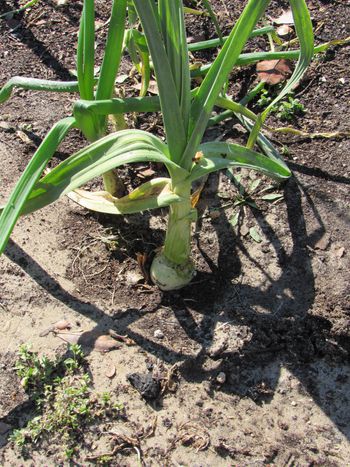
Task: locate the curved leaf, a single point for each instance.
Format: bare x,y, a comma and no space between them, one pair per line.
217,156
151,195
35,84
112,151
30,176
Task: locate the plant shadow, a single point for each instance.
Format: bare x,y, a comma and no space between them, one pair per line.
268,328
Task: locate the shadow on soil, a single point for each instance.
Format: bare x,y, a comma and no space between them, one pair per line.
284,334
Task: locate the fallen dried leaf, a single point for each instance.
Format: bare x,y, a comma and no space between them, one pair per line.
105,344
110,373
126,339
62,324
339,253
273,71
90,339
146,173
25,138
193,434
285,18
284,30
152,88
142,263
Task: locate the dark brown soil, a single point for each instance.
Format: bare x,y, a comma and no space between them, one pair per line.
273,316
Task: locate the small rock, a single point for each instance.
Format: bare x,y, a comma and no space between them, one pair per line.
110,373
284,30
342,80
339,253
133,277
146,385
322,243
293,404
214,214
221,377
158,334
244,230
5,126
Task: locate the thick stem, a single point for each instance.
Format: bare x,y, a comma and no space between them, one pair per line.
172,267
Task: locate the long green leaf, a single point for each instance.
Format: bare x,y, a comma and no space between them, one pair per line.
35,84
30,176
217,156
172,116
212,43
114,150
303,26
174,36
215,79
86,51
113,51
214,19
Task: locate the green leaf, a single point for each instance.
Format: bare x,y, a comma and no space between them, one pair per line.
234,219
272,197
254,185
215,79
217,156
35,84
86,51
168,92
255,235
123,147
303,26
213,17
30,176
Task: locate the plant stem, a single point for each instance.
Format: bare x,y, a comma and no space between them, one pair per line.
177,246
172,267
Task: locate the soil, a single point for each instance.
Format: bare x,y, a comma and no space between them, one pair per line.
257,345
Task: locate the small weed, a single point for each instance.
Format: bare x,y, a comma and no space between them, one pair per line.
65,403
289,109
285,110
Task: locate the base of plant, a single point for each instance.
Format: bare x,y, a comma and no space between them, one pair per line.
170,276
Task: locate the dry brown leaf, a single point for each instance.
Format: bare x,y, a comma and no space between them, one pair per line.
285,18
126,339
273,71
340,252
152,88
284,30
142,259
110,373
90,339
105,344
62,324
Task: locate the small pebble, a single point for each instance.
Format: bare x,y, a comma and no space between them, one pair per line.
158,334
221,377
293,403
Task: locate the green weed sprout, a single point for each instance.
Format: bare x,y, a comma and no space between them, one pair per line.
186,114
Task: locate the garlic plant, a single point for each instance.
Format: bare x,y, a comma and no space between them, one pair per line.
186,113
